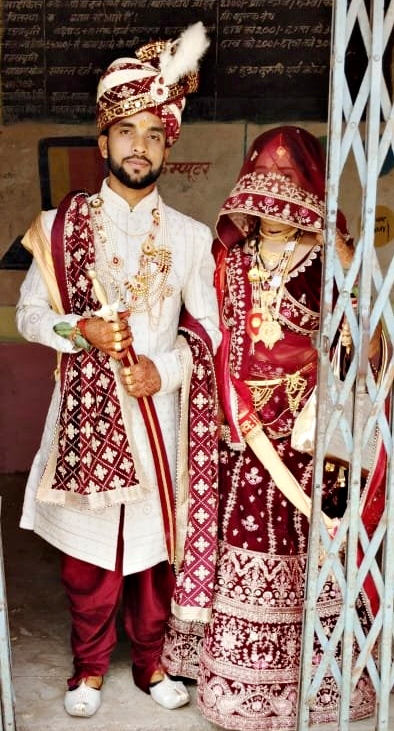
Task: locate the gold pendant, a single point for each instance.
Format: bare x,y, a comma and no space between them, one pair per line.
148,248
269,333
260,326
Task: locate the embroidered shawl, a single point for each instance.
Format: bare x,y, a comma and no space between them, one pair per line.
197,483
93,465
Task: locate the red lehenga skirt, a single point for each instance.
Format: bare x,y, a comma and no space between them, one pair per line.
250,658
248,662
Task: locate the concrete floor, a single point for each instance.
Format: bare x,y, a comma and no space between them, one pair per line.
39,630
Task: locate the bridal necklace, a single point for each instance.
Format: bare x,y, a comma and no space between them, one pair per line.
142,291
271,257
267,277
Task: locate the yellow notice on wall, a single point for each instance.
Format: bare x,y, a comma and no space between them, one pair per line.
384,226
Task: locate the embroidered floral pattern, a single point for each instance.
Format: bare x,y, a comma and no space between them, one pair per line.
249,663
263,195
195,579
300,317
94,462
182,647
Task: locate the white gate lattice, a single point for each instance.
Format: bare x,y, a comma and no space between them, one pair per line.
361,129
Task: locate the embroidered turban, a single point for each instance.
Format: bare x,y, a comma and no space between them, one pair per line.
157,80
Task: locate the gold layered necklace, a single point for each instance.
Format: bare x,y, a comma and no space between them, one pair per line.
142,291
267,277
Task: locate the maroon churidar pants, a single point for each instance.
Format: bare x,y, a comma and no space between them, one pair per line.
95,595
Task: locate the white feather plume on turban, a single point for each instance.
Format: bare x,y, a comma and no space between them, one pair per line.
158,80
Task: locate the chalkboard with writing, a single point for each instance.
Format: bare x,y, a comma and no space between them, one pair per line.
267,60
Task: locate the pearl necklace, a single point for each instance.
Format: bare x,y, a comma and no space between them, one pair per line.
148,287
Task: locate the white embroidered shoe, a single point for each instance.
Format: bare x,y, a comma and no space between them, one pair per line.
169,693
82,701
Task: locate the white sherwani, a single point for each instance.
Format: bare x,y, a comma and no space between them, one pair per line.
92,536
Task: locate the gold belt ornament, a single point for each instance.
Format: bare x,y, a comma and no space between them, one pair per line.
262,390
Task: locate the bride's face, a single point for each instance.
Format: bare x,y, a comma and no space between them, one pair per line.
272,228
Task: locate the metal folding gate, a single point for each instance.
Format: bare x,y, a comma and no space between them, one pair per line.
361,128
